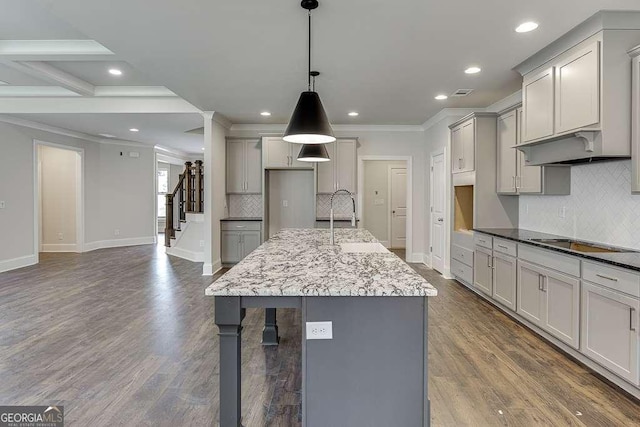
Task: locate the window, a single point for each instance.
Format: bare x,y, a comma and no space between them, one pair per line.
163,189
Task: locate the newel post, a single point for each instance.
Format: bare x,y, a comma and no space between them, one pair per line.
188,187
168,227
199,190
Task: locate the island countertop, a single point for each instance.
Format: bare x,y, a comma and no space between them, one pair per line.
300,262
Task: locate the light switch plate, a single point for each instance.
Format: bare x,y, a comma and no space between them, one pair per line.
319,330
2,204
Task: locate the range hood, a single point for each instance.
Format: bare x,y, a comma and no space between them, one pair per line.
580,147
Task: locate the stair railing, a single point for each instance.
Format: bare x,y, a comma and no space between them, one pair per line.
189,193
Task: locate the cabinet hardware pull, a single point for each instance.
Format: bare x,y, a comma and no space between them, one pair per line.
607,277
544,283
631,310
540,279
515,187
518,182
489,259
503,247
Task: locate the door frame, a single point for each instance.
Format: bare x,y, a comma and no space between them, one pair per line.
80,184
410,256
445,244
390,210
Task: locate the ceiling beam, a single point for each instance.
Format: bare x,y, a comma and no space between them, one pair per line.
20,48
106,105
54,75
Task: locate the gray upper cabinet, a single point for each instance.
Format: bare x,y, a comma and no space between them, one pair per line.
538,104
244,166
463,142
610,330
514,175
279,154
577,89
340,172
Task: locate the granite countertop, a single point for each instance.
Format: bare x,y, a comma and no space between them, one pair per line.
629,259
300,262
241,218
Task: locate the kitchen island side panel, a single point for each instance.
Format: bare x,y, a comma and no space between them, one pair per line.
374,370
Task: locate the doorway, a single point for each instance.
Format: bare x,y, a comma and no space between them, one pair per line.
384,201
438,217
59,219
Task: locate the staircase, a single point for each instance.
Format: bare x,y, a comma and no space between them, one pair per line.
185,215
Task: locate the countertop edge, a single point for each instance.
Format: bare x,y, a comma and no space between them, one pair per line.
584,255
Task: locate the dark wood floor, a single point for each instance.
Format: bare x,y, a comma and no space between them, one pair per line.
126,337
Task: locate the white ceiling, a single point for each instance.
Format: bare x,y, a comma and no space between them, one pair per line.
97,72
168,130
385,59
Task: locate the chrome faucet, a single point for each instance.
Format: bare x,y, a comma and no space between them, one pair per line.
353,215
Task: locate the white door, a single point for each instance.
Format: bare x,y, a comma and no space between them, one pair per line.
398,178
438,223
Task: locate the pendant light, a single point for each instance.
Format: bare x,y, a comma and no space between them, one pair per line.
313,153
309,123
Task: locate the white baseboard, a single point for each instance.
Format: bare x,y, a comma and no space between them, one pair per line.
23,261
416,257
427,260
118,243
209,269
183,253
61,247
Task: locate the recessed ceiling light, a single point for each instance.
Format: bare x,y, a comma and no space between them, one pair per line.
265,113
441,97
472,70
354,113
134,130
107,135
525,27
202,148
115,72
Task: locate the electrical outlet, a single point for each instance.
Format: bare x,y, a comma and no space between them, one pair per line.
562,212
2,204
285,203
60,236
202,243
378,202
116,232
319,330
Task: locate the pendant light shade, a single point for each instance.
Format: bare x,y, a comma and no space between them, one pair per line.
309,123
313,153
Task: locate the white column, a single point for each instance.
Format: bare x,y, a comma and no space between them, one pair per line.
214,190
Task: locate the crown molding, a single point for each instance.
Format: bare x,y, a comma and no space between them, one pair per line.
160,149
448,112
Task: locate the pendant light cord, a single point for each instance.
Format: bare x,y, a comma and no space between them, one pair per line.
309,71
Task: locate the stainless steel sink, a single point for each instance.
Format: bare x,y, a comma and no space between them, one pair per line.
578,246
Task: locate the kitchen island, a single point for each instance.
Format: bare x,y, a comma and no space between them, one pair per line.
373,370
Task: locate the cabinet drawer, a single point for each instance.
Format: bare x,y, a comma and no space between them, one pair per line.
463,255
241,225
551,259
461,271
483,240
611,277
506,247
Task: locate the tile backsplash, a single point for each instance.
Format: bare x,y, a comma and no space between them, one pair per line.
600,207
342,206
244,205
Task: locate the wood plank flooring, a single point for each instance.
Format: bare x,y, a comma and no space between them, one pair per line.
126,337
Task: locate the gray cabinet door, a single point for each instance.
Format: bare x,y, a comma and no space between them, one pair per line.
530,299
253,167
538,105
457,155
610,330
468,146
483,270
346,164
507,155
504,280
250,242
529,177
327,172
277,153
561,317
231,247
235,166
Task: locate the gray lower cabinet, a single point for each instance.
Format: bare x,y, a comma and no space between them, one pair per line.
483,270
550,300
239,239
504,279
610,330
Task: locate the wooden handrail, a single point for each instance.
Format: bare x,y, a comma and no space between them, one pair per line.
190,193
